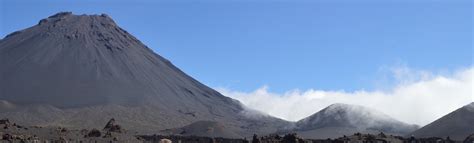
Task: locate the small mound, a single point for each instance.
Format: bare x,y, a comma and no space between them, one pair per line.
203,129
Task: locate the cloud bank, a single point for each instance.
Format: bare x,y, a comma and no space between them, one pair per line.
417,98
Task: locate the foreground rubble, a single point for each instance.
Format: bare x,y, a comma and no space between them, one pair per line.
113,132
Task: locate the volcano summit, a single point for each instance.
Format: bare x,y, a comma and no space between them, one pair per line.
81,70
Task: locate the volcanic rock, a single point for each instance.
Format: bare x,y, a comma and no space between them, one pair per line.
111,126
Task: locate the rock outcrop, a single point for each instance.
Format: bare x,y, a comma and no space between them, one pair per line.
112,126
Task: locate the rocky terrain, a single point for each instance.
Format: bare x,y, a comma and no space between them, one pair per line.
210,131
13,132
112,132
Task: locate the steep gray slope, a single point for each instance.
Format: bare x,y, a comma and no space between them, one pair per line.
343,119
457,125
81,70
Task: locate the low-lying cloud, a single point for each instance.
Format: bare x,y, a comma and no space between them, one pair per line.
418,97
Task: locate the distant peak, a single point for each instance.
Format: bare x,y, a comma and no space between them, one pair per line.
354,110
344,106
353,116
340,105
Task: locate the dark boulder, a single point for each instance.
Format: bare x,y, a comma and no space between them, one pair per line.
93,133
7,137
112,126
5,123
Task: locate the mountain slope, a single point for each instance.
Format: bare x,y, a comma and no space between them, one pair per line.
81,70
457,125
343,119
204,128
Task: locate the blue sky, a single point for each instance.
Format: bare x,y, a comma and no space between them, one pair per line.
285,44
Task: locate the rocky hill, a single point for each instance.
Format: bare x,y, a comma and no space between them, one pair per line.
343,119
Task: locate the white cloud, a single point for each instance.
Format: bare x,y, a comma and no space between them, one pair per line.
419,101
